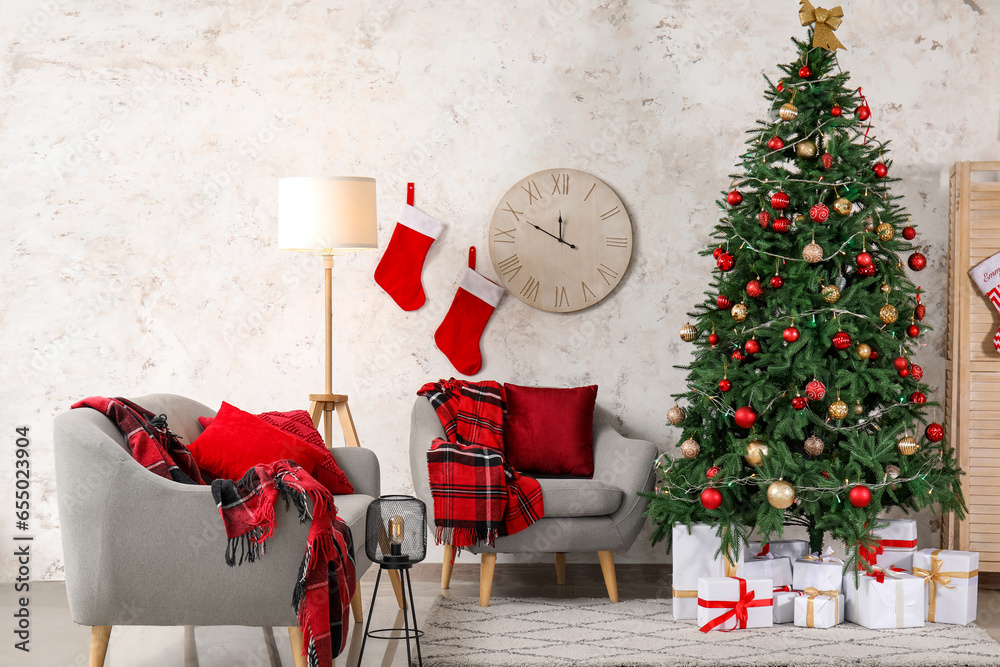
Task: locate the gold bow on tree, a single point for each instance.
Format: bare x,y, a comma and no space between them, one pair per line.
826,20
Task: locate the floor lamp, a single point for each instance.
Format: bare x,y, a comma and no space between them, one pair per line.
328,216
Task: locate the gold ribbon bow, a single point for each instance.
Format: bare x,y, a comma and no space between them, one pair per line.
812,594
826,20
935,577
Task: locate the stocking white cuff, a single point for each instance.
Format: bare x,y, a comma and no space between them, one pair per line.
480,287
419,221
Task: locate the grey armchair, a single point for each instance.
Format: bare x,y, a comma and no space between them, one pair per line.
603,514
143,550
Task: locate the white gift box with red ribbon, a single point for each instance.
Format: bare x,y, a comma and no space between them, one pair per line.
884,599
733,603
793,549
777,569
951,584
899,542
783,604
694,558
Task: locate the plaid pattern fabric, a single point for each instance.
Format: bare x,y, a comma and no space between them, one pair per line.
478,497
152,444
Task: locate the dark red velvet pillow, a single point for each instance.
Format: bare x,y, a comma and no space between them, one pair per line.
550,431
299,424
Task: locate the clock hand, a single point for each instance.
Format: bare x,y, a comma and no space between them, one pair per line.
560,226
550,234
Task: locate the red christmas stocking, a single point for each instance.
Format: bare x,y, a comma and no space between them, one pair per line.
398,272
459,333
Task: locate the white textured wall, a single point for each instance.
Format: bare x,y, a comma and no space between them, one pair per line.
141,145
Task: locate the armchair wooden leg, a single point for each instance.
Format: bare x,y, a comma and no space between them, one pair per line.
397,586
608,568
100,635
295,637
447,566
356,604
560,569
487,564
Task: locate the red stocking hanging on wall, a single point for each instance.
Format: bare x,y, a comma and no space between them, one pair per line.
398,272
463,326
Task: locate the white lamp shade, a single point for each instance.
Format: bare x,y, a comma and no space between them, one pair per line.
327,215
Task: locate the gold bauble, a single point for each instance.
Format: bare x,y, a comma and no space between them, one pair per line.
812,253
739,312
799,219
756,451
781,494
864,351
891,472
838,409
788,111
885,231
888,313
907,445
688,332
885,288
869,224
676,415
858,409
813,446
842,206
690,448
831,294
805,149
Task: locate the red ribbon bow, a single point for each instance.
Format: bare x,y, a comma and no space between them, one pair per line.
766,550
879,574
738,609
870,556
782,589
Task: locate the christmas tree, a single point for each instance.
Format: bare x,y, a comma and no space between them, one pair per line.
804,405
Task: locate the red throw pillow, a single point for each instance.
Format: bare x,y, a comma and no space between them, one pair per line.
299,424
550,431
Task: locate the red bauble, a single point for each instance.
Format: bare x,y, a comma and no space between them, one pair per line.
909,233
934,432
775,143
836,110
725,262
780,201
904,373
917,261
913,331
723,302
777,281
866,271
780,87
917,372
920,311
864,259
815,391
860,495
713,339
711,499
781,224
755,289
805,72
899,363
764,218
713,471
799,402
874,354
791,334
734,198
819,213
725,385
827,161
918,397
881,170
864,112
718,251
736,355
841,340
745,417
752,346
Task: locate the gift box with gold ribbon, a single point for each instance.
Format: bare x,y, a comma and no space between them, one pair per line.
884,598
819,609
793,549
695,556
951,584
733,603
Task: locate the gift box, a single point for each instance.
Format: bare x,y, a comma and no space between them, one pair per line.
898,542
819,609
792,549
884,599
728,603
783,604
694,558
951,584
778,570
823,572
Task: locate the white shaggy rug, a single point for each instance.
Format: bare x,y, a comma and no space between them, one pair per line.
640,633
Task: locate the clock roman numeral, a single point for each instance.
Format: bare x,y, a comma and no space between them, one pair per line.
561,184
533,192
509,267
503,235
610,213
607,273
530,289
561,297
586,291
514,213
589,191
616,241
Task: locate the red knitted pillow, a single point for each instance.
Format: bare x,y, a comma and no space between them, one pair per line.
550,431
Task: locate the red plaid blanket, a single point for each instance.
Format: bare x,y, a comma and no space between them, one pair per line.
478,497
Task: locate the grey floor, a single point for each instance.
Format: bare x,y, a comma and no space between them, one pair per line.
58,642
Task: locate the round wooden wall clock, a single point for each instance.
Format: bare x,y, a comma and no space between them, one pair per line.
560,240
